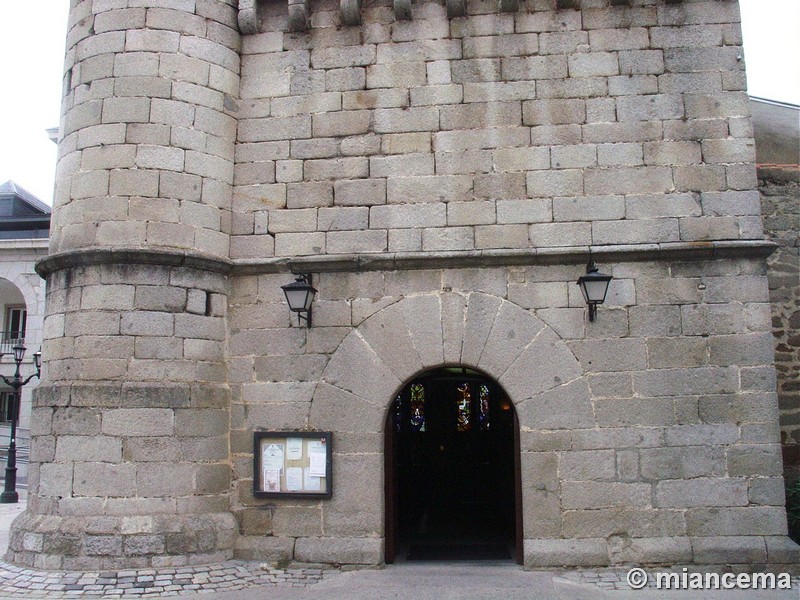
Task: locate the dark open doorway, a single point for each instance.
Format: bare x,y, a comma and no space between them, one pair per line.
452,470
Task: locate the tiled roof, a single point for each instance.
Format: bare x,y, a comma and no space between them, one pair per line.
11,188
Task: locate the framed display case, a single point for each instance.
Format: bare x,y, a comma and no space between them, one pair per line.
292,464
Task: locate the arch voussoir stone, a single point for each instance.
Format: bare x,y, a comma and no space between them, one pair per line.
481,312
335,409
388,336
478,330
356,368
546,363
513,330
423,318
453,316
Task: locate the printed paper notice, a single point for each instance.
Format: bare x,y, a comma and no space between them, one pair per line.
294,448
310,483
273,457
294,479
272,480
317,461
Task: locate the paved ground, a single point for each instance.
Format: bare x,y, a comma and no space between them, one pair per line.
240,580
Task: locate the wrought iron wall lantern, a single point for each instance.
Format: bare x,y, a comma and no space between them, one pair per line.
300,294
594,286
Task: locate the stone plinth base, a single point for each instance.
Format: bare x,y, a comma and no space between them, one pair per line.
770,553
267,548
325,550
106,542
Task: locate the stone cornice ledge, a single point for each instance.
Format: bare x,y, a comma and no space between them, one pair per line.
167,257
497,258
407,260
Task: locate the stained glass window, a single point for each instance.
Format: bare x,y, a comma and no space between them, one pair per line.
398,413
417,416
483,396
464,407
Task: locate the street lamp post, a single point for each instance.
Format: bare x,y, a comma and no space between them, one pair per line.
9,495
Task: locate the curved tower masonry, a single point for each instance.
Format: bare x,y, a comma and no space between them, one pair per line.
444,170
129,457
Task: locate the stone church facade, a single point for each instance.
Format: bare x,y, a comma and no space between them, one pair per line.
444,171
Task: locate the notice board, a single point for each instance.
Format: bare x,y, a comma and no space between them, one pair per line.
292,464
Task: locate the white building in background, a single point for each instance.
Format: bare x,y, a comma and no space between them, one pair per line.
24,234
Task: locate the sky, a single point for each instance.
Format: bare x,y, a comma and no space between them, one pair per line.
32,54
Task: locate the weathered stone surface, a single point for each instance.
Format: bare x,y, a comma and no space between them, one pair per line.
545,364
681,463
761,520
364,551
701,492
729,550
638,524
555,553
360,512
564,407
270,548
588,465
481,313
601,494
333,409
138,422
513,330
354,350
297,521
654,550
781,549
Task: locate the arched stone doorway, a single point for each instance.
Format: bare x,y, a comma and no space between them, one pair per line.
386,351
452,470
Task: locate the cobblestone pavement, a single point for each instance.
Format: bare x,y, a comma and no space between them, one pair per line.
17,582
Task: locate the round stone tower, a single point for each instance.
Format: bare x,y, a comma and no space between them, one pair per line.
129,452
444,171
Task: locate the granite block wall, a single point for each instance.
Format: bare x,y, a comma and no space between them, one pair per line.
444,172
537,128
649,435
780,200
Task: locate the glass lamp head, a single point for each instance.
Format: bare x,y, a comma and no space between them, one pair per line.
594,287
19,352
299,294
